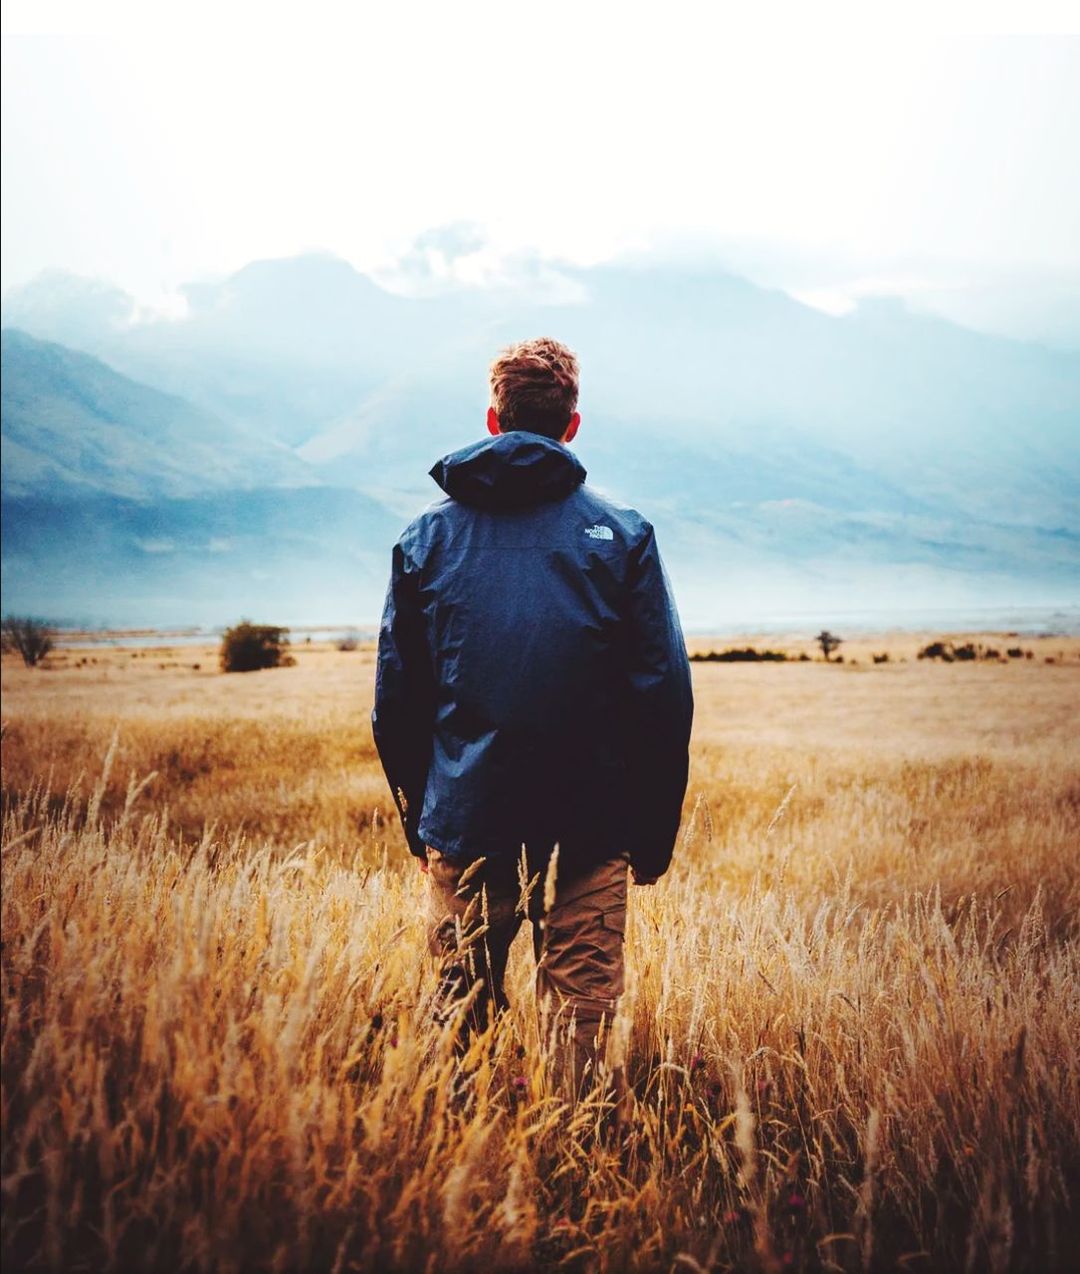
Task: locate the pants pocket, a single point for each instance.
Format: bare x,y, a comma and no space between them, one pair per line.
614,920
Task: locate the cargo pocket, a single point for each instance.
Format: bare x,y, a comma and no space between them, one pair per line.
614,919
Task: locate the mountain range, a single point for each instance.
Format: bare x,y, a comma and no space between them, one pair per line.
258,452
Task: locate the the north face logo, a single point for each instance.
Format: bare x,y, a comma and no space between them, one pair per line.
600,532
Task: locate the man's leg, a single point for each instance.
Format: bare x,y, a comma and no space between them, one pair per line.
579,969
472,922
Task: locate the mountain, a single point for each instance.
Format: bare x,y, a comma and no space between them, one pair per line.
790,459
280,555
128,505
69,421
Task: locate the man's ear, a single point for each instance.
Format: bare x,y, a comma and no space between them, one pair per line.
493,422
572,427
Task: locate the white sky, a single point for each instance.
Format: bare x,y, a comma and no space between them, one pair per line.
153,143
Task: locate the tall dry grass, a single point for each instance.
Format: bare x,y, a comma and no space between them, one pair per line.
849,1035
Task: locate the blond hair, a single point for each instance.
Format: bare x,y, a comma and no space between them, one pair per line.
534,386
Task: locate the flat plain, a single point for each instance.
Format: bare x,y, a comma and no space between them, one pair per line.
849,1039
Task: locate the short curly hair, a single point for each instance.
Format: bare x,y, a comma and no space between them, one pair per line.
534,386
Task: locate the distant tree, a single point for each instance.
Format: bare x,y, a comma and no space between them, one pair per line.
248,647
32,638
828,642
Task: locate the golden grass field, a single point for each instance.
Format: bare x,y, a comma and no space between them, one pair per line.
850,1031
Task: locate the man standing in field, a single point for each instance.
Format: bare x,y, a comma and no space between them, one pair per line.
532,705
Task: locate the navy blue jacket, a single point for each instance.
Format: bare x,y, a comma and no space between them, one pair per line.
532,684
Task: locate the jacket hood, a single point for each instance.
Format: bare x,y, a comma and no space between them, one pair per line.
509,471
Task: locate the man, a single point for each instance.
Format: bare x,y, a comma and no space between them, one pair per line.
532,705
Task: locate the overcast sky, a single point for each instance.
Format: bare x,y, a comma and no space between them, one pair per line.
151,144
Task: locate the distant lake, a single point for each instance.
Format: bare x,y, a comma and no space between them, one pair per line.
155,637
1030,621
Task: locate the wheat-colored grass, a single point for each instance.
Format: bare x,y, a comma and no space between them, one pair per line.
849,1035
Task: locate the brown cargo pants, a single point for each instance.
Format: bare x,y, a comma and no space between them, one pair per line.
476,912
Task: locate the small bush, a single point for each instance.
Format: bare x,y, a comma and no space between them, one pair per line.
32,638
746,655
947,652
247,647
882,658
349,642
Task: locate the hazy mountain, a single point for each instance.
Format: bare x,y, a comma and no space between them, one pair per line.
787,457
125,504
306,350
281,347
279,555
71,421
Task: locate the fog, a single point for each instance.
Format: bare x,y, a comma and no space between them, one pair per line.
150,145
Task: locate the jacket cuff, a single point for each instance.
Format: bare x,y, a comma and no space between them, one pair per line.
413,839
649,863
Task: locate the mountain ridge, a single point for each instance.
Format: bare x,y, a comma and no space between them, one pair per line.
770,443
87,425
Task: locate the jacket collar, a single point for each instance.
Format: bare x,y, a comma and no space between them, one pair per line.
509,471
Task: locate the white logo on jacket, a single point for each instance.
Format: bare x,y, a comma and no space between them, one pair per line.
600,532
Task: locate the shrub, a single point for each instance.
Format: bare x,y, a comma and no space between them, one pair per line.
248,647
746,655
947,652
349,642
32,638
882,658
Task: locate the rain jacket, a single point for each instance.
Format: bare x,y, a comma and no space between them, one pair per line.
532,684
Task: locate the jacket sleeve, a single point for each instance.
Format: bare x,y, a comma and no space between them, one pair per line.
660,712
403,717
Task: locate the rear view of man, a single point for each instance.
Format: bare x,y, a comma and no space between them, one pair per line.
532,694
